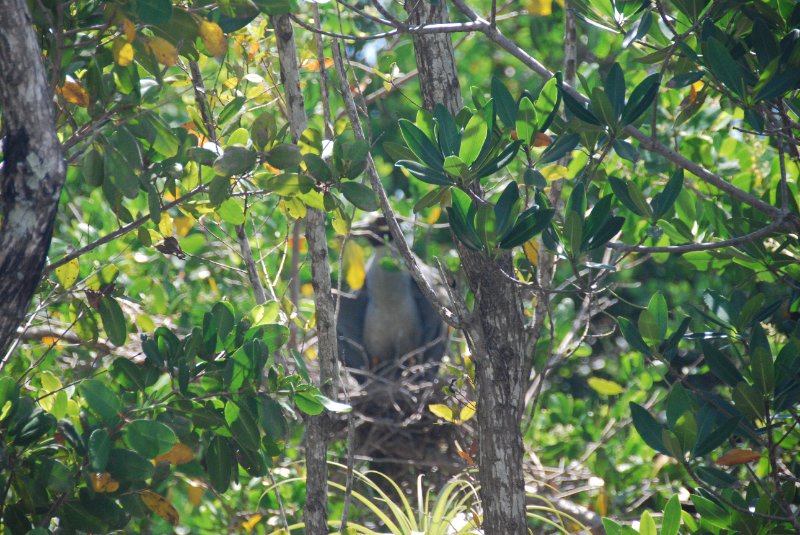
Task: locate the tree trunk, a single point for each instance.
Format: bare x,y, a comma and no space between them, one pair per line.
438,77
33,169
315,513
497,331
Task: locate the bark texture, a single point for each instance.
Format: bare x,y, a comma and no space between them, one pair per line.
316,508
435,60
33,168
496,330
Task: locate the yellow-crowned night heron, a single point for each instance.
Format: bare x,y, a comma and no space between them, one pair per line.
388,326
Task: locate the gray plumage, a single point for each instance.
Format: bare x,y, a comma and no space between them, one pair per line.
388,325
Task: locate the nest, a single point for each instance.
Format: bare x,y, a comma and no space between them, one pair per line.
391,426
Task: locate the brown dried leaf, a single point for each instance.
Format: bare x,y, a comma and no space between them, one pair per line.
160,506
738,456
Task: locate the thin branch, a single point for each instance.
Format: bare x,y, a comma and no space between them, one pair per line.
120,231
691,247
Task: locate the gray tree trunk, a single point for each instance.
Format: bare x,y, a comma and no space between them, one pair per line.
315,513
497,332
33,169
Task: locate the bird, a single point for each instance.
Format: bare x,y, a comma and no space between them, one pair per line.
388,327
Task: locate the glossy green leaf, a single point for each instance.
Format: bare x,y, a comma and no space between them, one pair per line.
426,174
716,438
578,110
615,89
504,104
101,400
284,156
473,138
288,184
720,365
563,145
529,223
149,438
421,145
632,336
154,11
219,463
308,403
648,428
723,66
671,521
548,101
505,157
99,446
236,160
504,210
360,195
658,308
126,465
232,211
662,202
448,134
526,121
625,150
641,99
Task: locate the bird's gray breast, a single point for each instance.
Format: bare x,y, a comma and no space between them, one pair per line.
392,326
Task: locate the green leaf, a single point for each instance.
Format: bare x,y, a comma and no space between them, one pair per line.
165,142
720,366
648,428
120,172
548,101
219,462
712,513
615,89
671,522
421,145
723,66
663,201
620,189
126,465
647,526
504,158
284,156
154,11
461,216
236,160
473,138
563,144
526,120
426,174
263,129
604,234
762,370
632,336
505,207
333,406
288,184
579,110
447,132
231,110
113,320
99,446
149,437
640,100
101,400
529,223
658,308
504,104
232,211
602,108
714,439
360,195
9,396
245,430
748,401
573,231
308,403
625,150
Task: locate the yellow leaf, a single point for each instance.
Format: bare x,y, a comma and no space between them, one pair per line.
160,506
74,94
213,38
130,30
737,456
355,272
195,493
122,52
442,411
605,387
164,51
68,273
467,411
543,8
145,323
531,249
433,217
313,64
103,482
601,503
307,290
554,172
183,224
251,522
179,454
165,225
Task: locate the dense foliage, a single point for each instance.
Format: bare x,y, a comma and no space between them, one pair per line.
148,388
